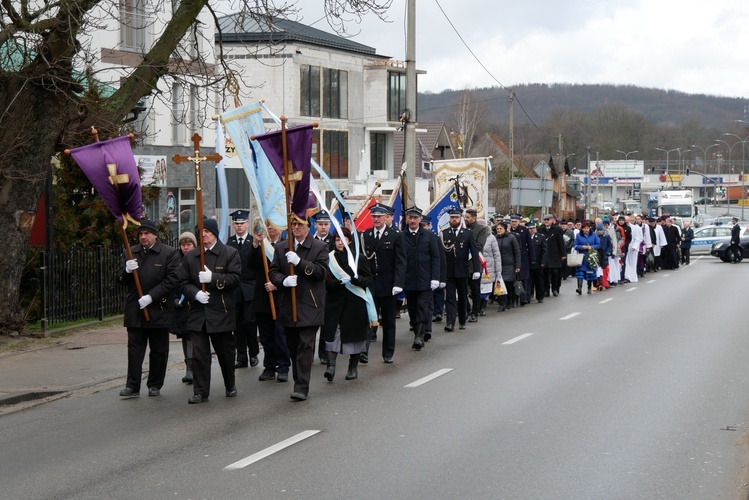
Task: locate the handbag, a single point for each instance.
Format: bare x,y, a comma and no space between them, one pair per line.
519,289
499,287
574,259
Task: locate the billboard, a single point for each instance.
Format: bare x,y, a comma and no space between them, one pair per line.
617,168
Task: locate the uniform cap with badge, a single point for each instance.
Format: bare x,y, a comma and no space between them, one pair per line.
414,211
240,215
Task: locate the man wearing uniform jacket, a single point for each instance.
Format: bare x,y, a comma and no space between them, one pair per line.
480,235
383,247
459,244
556,254
540,250
211,315
246,330
310,260
322,233
157,266
422,273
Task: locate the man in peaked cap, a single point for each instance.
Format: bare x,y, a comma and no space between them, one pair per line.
556,255
158,267
322,233
459,244
246,327
527,256
386,255
480,234
422,273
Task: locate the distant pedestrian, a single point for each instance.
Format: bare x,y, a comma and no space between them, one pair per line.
687,235
187,243
157,266
735,247
587,243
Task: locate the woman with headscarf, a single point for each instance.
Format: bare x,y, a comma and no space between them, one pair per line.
585,241
349,307
491,271
509,251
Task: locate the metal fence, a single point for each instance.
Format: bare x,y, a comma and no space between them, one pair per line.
81,284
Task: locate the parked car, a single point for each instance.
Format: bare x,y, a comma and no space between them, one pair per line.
700,220
703,200
720,249
706,237
607,207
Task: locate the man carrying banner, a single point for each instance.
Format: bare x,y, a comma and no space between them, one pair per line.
310,261
157,265
386,254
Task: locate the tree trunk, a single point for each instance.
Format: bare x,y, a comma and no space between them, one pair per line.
34,119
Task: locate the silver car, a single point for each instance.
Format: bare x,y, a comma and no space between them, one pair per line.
705,236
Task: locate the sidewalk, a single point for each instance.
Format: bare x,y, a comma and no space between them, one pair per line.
81,360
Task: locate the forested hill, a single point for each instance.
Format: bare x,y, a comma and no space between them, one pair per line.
539,100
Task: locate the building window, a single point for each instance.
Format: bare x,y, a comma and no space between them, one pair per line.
238,186
396,95
335,153
377,151
309,98
133,27
335,93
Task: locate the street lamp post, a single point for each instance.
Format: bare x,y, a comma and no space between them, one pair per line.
704,153
730,162
667,151
626,157
679,169
743,147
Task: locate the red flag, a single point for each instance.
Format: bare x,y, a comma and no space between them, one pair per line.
364,221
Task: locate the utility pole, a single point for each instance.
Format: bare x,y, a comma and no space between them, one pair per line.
587,179
511,98
561,180
410,137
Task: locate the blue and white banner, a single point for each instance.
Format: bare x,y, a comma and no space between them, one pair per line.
440,207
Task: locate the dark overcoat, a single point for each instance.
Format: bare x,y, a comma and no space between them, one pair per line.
509,249
458,248
387,260
246,289
261,298
158,271
526,251
422,260
540,251
219,314
554,245
344,308
310,289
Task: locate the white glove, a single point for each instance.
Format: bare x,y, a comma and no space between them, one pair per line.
345,281
205,275
397,290
131,265
292,258
443,284
144,301
290,281
434,284
476,276
202,297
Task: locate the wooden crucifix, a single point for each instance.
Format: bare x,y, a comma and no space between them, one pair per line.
197,159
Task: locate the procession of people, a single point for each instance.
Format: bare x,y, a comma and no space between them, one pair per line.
299,290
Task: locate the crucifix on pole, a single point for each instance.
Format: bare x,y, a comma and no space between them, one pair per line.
197,159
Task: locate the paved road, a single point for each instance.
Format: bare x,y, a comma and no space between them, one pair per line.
637,392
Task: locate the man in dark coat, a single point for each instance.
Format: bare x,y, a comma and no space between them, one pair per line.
211,314
438,295
276,359
310,261
322,233
527,256
386,254
246,331
422,272
459,245
673,240
157,266
480,234
735,247
539,264
556,254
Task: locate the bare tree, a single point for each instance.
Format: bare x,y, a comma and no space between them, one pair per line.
468,116
50,96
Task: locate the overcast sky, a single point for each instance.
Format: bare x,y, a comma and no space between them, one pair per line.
687,45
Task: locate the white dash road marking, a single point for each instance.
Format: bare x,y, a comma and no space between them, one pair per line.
604,301
651,281
517,339
270,450
666,275
428,378
630,289
569,316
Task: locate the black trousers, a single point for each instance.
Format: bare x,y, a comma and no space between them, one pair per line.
158,340
457,286
224,345
537,284
273,337
246,333
685,255
386,307
552,279
418,307
301,343
475,296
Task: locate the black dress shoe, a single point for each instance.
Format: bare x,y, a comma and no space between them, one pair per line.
473,319
427,336
555,293
231,393
437,319
363,358
298,396
461,327
127,392
540,301
546,294
154,391
254,361
239,364
197,398
387,360
266,375
418,344
282,377
449,328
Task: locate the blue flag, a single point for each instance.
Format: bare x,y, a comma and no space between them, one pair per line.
440,207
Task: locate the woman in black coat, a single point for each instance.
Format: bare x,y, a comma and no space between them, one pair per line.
509,249
346,317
